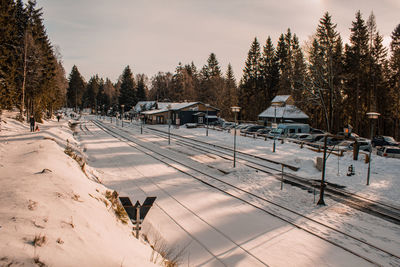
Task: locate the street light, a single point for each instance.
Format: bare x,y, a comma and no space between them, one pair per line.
372,116
141,123
274,105
207,105
169,124
122,115
235,110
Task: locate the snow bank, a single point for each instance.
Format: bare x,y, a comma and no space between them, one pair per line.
51,213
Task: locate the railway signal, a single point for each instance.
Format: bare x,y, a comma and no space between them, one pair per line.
137,212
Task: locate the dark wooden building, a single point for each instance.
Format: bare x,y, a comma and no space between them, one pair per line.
181,113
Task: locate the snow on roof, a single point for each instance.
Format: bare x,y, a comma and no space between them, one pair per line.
163,107
144,105
280,98
286,112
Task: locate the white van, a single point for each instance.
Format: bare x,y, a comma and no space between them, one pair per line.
290,128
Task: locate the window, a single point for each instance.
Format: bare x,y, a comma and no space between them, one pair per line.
200,119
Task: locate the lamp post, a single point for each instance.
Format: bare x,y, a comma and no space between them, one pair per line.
372,116
141,123
274,105
207,105
122,115
235,110
169,124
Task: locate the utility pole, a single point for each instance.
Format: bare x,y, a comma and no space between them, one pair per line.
24,79
322,188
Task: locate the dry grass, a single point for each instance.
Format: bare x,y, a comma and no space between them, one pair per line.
39,240
166,255
32,205
70,223
38,262
116,206
76,197
70,152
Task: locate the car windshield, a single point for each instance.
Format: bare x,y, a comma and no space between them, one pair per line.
389,139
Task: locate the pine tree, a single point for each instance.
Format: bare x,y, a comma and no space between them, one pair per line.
325,72
395,81
282,58
8,68
76,89
161,85
141,87
269,68
249,86
127,92
91,92
356,67
229,94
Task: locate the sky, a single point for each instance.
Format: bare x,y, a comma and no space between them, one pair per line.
103,37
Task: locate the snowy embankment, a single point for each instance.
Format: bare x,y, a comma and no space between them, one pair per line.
51,214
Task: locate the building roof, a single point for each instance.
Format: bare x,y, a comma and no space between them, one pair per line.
163,107
280,99
285,112
144,105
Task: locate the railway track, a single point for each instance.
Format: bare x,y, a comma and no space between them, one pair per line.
383,210
347,242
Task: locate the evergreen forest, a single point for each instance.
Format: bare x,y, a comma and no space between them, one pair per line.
333,82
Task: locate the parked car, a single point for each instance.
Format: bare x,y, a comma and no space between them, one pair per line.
330,141
292,128
191,125
243,127
389,151
252,129
301,136
363,144
263,131
354,135
315,140
384,141
316,131
228,125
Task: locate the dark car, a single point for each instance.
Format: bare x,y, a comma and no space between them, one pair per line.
384,141
253,129
316,131
263,131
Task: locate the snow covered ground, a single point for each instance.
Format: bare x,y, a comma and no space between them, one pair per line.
195,224
51,214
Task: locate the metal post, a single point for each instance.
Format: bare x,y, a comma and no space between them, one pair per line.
141,126
273,148
137,219
234,143
122,115
282,177
370,152
372,116
207,119
322,188
169,127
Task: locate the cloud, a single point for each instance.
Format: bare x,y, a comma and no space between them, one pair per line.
102,36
